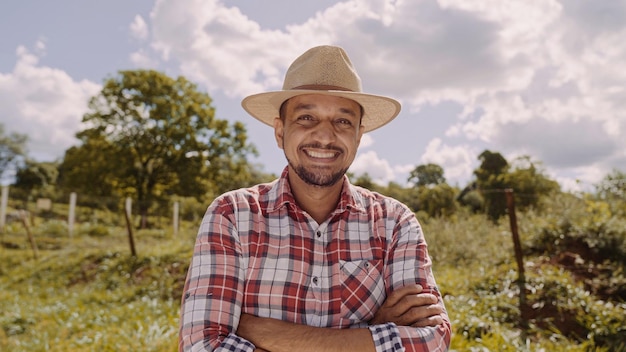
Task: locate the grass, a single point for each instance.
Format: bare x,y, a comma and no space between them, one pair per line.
87,293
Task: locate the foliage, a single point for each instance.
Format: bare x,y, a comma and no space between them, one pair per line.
612,189
364,181
94,230
37,179
79,294
612,186
89,170
467,238
529,183
490,181
149,135
408,196
427,174
12,150
582,225
494,175
431,199
437,200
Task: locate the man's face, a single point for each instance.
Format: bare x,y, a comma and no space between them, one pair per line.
320,135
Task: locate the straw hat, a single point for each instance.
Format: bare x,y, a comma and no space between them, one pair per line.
323,70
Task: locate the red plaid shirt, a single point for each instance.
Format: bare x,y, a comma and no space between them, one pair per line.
257,252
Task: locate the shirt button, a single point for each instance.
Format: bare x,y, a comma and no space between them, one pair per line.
315,280
319,234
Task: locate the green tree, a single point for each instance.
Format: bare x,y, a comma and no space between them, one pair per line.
612,186
525,177
87,170
12,151
428,174
408,196
37,179
364,181
612,189
150,135
490,179
437,200
529,183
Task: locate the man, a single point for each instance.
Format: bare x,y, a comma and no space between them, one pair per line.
310,262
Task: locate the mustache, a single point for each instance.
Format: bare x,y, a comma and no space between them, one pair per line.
320,146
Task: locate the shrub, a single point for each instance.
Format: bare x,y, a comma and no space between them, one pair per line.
94,230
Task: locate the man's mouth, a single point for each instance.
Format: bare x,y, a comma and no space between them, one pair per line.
321,154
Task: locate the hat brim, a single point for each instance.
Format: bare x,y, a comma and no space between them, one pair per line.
377,110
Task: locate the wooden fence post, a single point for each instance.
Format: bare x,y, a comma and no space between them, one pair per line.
33,244
71,215
175,218
3,207
129,226
521,280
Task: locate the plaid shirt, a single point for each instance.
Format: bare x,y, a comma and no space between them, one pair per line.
257,252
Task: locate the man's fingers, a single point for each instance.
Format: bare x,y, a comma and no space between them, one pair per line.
399,294
418,313
430,321
412,301
410,305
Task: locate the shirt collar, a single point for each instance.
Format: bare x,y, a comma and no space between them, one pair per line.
281,195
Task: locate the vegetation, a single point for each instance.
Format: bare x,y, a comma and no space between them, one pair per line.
150,135
86,292
12,150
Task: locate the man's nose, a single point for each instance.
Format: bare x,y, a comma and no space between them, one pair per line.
324,132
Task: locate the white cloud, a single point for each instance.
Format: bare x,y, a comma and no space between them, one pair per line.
540,77
139,28
458,162
44,103
366,141
143,59
220,47
370,163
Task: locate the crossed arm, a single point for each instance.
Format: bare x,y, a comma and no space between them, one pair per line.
407,306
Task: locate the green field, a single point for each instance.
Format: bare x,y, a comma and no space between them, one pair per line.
87,293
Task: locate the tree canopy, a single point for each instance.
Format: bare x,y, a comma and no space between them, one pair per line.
12,148
149,135
495,174
427,174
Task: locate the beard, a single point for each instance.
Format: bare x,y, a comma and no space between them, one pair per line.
310,177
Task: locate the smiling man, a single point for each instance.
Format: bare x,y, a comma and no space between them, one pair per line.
311,262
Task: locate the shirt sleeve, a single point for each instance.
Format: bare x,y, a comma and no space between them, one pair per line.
409,263
213,292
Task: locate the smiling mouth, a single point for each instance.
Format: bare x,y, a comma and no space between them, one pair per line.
321,155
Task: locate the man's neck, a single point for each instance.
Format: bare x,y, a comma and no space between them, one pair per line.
317,201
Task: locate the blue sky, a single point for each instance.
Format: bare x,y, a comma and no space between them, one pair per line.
542,78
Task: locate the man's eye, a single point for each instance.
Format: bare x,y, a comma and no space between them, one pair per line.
305,118
344,122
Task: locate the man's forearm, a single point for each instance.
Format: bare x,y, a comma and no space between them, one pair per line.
276,336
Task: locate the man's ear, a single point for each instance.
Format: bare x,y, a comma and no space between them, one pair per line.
279,131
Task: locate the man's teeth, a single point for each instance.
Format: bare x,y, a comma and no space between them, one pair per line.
321,154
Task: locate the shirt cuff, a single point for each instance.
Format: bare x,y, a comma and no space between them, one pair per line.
386,337
233,342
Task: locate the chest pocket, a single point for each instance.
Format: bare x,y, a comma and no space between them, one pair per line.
363,289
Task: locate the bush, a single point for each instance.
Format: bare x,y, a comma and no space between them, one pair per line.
53,228
94,230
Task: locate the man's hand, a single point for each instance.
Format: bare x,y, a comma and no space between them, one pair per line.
408,306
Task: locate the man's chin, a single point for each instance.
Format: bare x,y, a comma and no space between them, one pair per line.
319,177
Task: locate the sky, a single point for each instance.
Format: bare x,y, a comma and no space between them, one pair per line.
539,78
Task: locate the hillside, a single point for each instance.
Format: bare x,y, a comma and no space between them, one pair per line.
86,292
